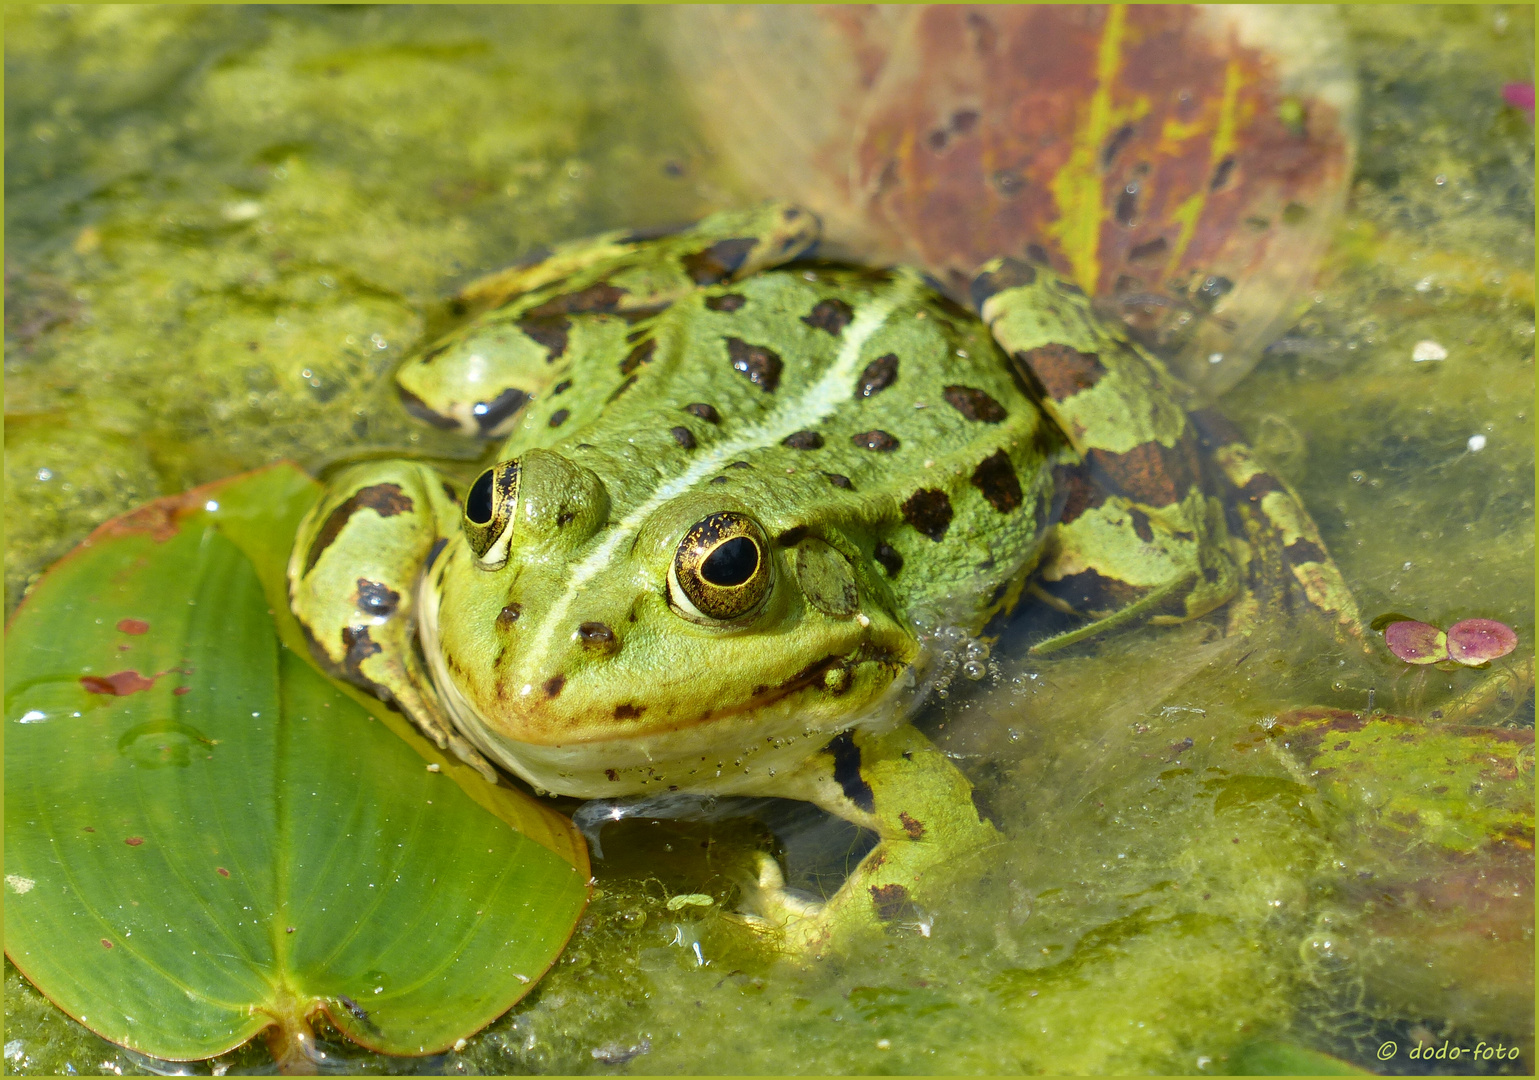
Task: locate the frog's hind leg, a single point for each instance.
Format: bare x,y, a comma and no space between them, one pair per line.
1141,535
353,584
900,786
1281,544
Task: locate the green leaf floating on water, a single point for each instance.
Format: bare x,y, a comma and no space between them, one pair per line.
206,839
1451,786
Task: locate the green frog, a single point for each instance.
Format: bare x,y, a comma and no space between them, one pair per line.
735,488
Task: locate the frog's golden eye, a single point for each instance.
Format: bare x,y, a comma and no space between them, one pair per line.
488,520
722,569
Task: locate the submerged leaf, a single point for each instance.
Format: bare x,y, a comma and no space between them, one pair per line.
218,840
1448,786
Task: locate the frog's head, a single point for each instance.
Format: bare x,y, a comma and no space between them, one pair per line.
598,650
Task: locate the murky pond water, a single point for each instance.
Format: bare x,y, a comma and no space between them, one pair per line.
226,226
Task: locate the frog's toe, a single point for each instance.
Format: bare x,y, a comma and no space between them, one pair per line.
771,900
472,757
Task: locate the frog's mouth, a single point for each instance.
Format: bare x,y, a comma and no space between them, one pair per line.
738,747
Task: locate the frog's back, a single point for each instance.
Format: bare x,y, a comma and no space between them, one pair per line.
825,399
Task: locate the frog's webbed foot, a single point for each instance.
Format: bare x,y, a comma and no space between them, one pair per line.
352,586
923,811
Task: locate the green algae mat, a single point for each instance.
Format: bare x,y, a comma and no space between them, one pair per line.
206,839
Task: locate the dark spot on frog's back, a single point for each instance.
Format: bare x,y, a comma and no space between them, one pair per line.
1150,473
634,315
726,302
683,436
888,556
929,511
375,598
600,296
629,712
803,440
550,332
1213,429
509,615
490,414
846,757
718,262
878,376
839,480
1010,274
995,478
1072,484
1092,593
891,901
1141,527
553,685
655,232
974,404
641,354
762,366
415,406
705,412
1304,551
831,316
1062,371
386,500
559,417
877,440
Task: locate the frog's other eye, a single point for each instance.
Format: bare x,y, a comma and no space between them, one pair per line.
488,520
722,569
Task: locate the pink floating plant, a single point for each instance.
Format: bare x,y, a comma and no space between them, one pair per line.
1416,642
1478,641
1520,95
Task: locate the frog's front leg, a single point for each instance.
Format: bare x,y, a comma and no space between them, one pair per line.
353,576
902,788
1140,536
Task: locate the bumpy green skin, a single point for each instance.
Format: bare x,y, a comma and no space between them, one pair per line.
897,461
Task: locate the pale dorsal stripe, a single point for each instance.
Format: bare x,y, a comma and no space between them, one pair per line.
792,413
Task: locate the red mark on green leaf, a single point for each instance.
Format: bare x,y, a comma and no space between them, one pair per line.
120,684
133,626
180,690
134,841
106,944
221,871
